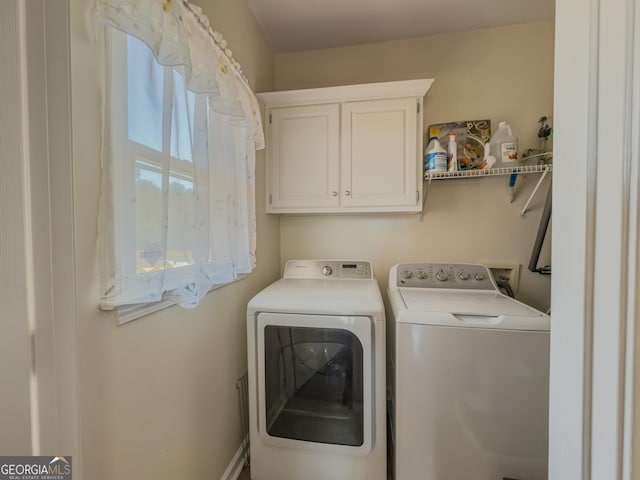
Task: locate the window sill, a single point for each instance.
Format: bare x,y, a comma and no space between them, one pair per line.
129,313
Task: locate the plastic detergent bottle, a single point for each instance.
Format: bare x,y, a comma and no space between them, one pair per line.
504,146
435,157
453,153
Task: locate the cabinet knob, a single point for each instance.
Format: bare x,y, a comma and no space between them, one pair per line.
347,192
334,194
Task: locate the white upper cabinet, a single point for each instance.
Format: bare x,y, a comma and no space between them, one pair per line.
304,153
347,149
379,147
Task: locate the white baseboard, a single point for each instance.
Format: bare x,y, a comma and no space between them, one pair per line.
237,462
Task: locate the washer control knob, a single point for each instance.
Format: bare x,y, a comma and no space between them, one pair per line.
479,276
442,276
463,276
327,270
420,274
406,274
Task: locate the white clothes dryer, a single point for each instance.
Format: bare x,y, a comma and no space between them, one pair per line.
316,361
469,376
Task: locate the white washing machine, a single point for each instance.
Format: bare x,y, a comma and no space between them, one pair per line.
316,354
469,374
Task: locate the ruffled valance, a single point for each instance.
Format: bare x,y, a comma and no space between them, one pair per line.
179,34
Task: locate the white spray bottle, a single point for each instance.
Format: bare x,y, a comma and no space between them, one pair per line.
453,153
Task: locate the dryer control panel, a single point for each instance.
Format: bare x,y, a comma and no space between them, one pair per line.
445,275
328,269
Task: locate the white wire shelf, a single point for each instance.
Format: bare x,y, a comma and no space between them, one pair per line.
489,172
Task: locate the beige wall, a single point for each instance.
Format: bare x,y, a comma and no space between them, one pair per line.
500,74
158,397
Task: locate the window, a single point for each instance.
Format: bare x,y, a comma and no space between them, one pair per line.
154,141
178,190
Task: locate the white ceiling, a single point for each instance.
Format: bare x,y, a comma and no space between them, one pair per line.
294,25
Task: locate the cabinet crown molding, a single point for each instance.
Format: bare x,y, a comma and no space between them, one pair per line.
345,93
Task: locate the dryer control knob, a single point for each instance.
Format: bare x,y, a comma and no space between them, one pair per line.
420,274
406,274
327,270
442,276
463,276
479,276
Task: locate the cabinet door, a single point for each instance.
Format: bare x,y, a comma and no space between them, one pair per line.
379,155
304,158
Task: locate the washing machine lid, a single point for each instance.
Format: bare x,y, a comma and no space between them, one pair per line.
468,309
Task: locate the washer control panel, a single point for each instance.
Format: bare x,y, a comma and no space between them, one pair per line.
444,275
328,269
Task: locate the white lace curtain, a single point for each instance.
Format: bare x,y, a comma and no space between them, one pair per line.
181,127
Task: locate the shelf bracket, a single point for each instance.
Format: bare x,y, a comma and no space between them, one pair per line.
425,194
533,193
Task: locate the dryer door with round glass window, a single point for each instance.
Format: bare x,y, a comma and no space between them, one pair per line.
314,374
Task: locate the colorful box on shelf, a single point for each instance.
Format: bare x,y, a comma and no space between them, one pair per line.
471,135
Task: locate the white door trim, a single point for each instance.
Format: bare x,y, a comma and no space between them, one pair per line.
595,241
63,258
49,234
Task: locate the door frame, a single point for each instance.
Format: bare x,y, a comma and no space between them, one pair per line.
594,407
49,234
